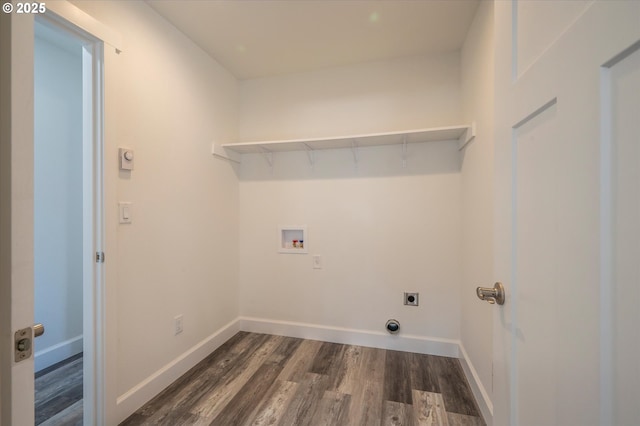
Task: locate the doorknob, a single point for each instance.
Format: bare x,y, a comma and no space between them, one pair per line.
23,341
492,295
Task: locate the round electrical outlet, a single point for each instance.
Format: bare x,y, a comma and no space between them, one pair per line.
411,299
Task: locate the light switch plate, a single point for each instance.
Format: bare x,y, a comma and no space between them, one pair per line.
125,212
317,261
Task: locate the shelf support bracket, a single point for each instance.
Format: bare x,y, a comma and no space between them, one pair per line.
354,151
404,151
268,155
467,137
311,154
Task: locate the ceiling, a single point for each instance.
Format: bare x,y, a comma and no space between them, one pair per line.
257,38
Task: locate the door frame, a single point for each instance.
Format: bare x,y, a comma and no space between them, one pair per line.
93,207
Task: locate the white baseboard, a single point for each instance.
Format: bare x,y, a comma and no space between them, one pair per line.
479,391
374,339
58,352
144,391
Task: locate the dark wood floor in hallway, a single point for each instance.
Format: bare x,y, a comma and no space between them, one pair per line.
259,379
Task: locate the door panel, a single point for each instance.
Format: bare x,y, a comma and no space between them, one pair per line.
17,214
533,39
535,179
625,111
550,351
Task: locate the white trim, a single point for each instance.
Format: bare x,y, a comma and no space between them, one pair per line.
58,352
374,339
606,250
479,392
95,403
141,393
81,19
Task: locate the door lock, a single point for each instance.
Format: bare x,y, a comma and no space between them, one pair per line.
23,345
23,341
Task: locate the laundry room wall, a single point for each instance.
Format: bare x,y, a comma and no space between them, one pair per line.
379,228
168,100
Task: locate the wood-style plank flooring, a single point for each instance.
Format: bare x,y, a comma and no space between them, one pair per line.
58,394
259,379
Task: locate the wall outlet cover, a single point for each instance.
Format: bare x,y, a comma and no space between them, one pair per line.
125,212
411,299
178,324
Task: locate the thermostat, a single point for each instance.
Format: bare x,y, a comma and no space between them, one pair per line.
126,158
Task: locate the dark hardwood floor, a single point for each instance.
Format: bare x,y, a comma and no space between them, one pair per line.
58,393
259,379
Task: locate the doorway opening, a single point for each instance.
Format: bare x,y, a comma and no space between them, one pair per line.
67,222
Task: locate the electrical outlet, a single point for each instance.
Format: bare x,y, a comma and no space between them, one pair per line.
411,299
178,324
317,261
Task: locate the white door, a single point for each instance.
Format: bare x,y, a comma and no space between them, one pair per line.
17,215
567,209
16,212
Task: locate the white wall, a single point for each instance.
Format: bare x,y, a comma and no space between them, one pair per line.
58,199
373,97
197,234
380,229
477,198
168,100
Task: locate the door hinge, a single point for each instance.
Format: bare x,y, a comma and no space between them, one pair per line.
99,257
